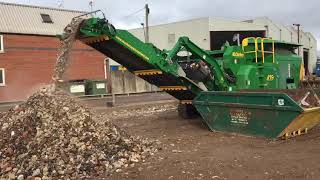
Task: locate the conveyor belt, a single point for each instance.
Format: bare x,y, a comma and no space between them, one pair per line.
167,82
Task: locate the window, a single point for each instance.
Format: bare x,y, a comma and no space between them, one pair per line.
46,18
1,44
2,77
171,38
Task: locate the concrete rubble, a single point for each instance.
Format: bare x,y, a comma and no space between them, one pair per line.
52,135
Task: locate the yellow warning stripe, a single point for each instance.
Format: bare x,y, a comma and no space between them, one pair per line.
132,48
304,122
148,72
295,133
186,101
173,88
91,40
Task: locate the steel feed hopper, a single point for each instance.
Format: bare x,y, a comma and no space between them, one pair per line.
252,88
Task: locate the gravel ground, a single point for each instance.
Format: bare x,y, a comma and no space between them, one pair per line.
191,151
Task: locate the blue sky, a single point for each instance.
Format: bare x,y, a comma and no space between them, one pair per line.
163,11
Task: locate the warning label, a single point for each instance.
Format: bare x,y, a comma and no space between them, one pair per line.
240,117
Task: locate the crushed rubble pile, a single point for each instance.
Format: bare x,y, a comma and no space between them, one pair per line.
51,135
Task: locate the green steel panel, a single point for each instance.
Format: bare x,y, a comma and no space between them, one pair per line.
95,87
257,114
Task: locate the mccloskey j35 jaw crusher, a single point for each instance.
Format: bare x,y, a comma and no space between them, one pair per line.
252,89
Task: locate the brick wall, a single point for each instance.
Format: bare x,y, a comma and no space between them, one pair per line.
29,60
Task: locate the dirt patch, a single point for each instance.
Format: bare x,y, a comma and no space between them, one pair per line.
191,151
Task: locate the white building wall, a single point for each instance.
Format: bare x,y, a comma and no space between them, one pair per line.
222,24
310,43
273,30
293,34
165,36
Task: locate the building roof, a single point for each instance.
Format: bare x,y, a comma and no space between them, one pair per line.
27,19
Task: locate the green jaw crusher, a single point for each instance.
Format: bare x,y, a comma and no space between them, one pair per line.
251,89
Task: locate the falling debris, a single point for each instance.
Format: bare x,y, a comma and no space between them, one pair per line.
52,135
68,38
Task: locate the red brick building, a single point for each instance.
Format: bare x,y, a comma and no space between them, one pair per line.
28,50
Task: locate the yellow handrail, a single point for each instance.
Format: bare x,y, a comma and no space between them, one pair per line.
245,43
263,51
273,52
256,45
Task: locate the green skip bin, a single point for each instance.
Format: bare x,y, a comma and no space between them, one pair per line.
271,115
